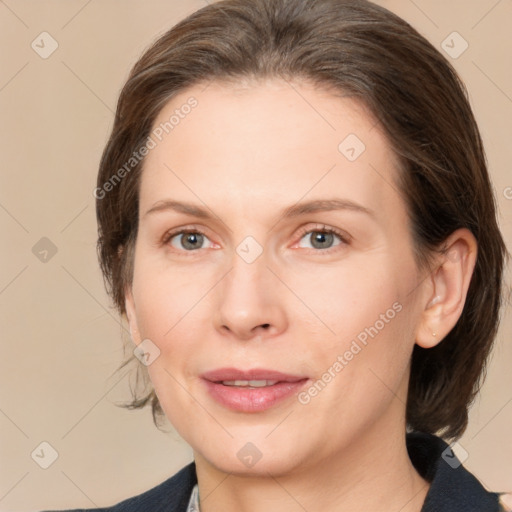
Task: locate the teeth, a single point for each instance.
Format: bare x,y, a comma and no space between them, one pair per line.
249,383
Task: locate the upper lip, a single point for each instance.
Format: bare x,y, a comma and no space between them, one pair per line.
230,374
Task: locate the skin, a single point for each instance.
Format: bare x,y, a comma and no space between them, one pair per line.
245,153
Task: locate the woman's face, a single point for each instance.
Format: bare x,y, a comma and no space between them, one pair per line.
261,290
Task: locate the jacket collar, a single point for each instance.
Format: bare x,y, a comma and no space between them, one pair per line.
452,487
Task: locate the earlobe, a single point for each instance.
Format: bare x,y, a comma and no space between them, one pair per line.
450,283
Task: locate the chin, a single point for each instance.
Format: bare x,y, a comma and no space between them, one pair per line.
271,464
252,458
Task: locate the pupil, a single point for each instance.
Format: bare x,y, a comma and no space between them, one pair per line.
191,240
322,238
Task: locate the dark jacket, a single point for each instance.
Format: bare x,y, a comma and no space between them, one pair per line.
452,489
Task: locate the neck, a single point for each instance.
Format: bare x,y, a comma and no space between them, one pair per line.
372,473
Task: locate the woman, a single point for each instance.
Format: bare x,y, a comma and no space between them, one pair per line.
296,218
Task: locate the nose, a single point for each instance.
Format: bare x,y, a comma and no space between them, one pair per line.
249,301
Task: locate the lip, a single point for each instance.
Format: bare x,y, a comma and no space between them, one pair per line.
254,374
251,399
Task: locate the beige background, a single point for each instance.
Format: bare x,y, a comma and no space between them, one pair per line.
61,342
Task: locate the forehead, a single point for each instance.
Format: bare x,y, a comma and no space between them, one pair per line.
273,142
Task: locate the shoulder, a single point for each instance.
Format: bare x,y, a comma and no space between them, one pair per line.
452,487
170,496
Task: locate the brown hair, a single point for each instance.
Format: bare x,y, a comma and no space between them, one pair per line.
367,52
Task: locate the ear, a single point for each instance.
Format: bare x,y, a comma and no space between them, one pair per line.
448,287
129,305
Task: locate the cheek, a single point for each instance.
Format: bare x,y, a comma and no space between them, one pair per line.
166,308
163,297
370,314
350,298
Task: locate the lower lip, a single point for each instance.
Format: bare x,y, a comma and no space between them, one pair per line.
246,399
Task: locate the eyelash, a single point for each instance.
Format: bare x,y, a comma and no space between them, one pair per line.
319,228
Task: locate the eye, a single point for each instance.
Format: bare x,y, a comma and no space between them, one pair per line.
322,238
186,239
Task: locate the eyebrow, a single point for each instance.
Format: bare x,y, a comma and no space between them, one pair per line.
296,210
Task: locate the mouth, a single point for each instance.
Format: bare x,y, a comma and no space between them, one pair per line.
253,390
